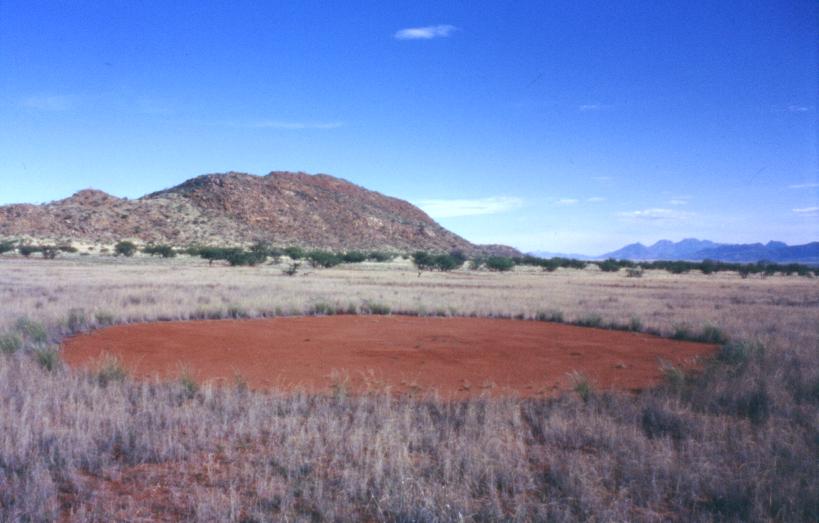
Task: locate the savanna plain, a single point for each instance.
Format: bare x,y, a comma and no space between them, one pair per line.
733,438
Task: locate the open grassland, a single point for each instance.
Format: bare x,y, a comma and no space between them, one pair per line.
737,442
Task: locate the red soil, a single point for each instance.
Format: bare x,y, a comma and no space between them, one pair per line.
458,357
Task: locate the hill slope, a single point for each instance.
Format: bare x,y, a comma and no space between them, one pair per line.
282,207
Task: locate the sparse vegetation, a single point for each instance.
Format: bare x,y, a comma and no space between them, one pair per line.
727,443
165,251
125,248
499,263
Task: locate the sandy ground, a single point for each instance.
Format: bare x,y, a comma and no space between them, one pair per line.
455,357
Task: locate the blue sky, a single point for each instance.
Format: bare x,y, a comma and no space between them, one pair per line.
565,126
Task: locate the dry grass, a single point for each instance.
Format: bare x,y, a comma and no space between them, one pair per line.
738,442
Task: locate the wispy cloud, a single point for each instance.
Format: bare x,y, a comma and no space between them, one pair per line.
425,33
595,199
800,108
588,108
567,201
279,124
441,208
49,102
807,211
656,214
678,201
809,185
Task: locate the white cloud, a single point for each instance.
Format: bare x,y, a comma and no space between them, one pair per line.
678,201
49,102
809,185
439,208
587,108
800,108
807,211
276,124
425,33
595,199
656,214
567,201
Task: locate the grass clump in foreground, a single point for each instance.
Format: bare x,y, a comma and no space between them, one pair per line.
731,442
739,449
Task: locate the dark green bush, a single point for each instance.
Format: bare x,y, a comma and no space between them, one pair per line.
353,257
165,251
49,251
438,262
325,259
125,248
610,265
500,263
240,258
28,250
296,253
6,247
380,256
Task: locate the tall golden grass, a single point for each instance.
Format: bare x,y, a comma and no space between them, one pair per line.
737,442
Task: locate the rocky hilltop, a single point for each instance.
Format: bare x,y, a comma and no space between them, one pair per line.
285,208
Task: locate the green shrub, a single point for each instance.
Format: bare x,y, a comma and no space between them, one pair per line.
581,385
76,321
104,318
48,358
188,384
110,370
49,252
610,265
375,308
68,248
738,353
324,259
28,250
31,331
353,257
10,342
6,247
682,331
554,315
438,262
295,253
712,334
165,251
635,324
500,263
125,248
239,258
634,272
590,320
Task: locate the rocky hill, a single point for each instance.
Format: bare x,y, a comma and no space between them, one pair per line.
285,208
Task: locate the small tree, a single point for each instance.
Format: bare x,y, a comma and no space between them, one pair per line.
125,248
166,251
49,252
324,259
500,263
296,253
28,250
6,247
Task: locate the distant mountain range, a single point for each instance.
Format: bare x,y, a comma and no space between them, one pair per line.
692,249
